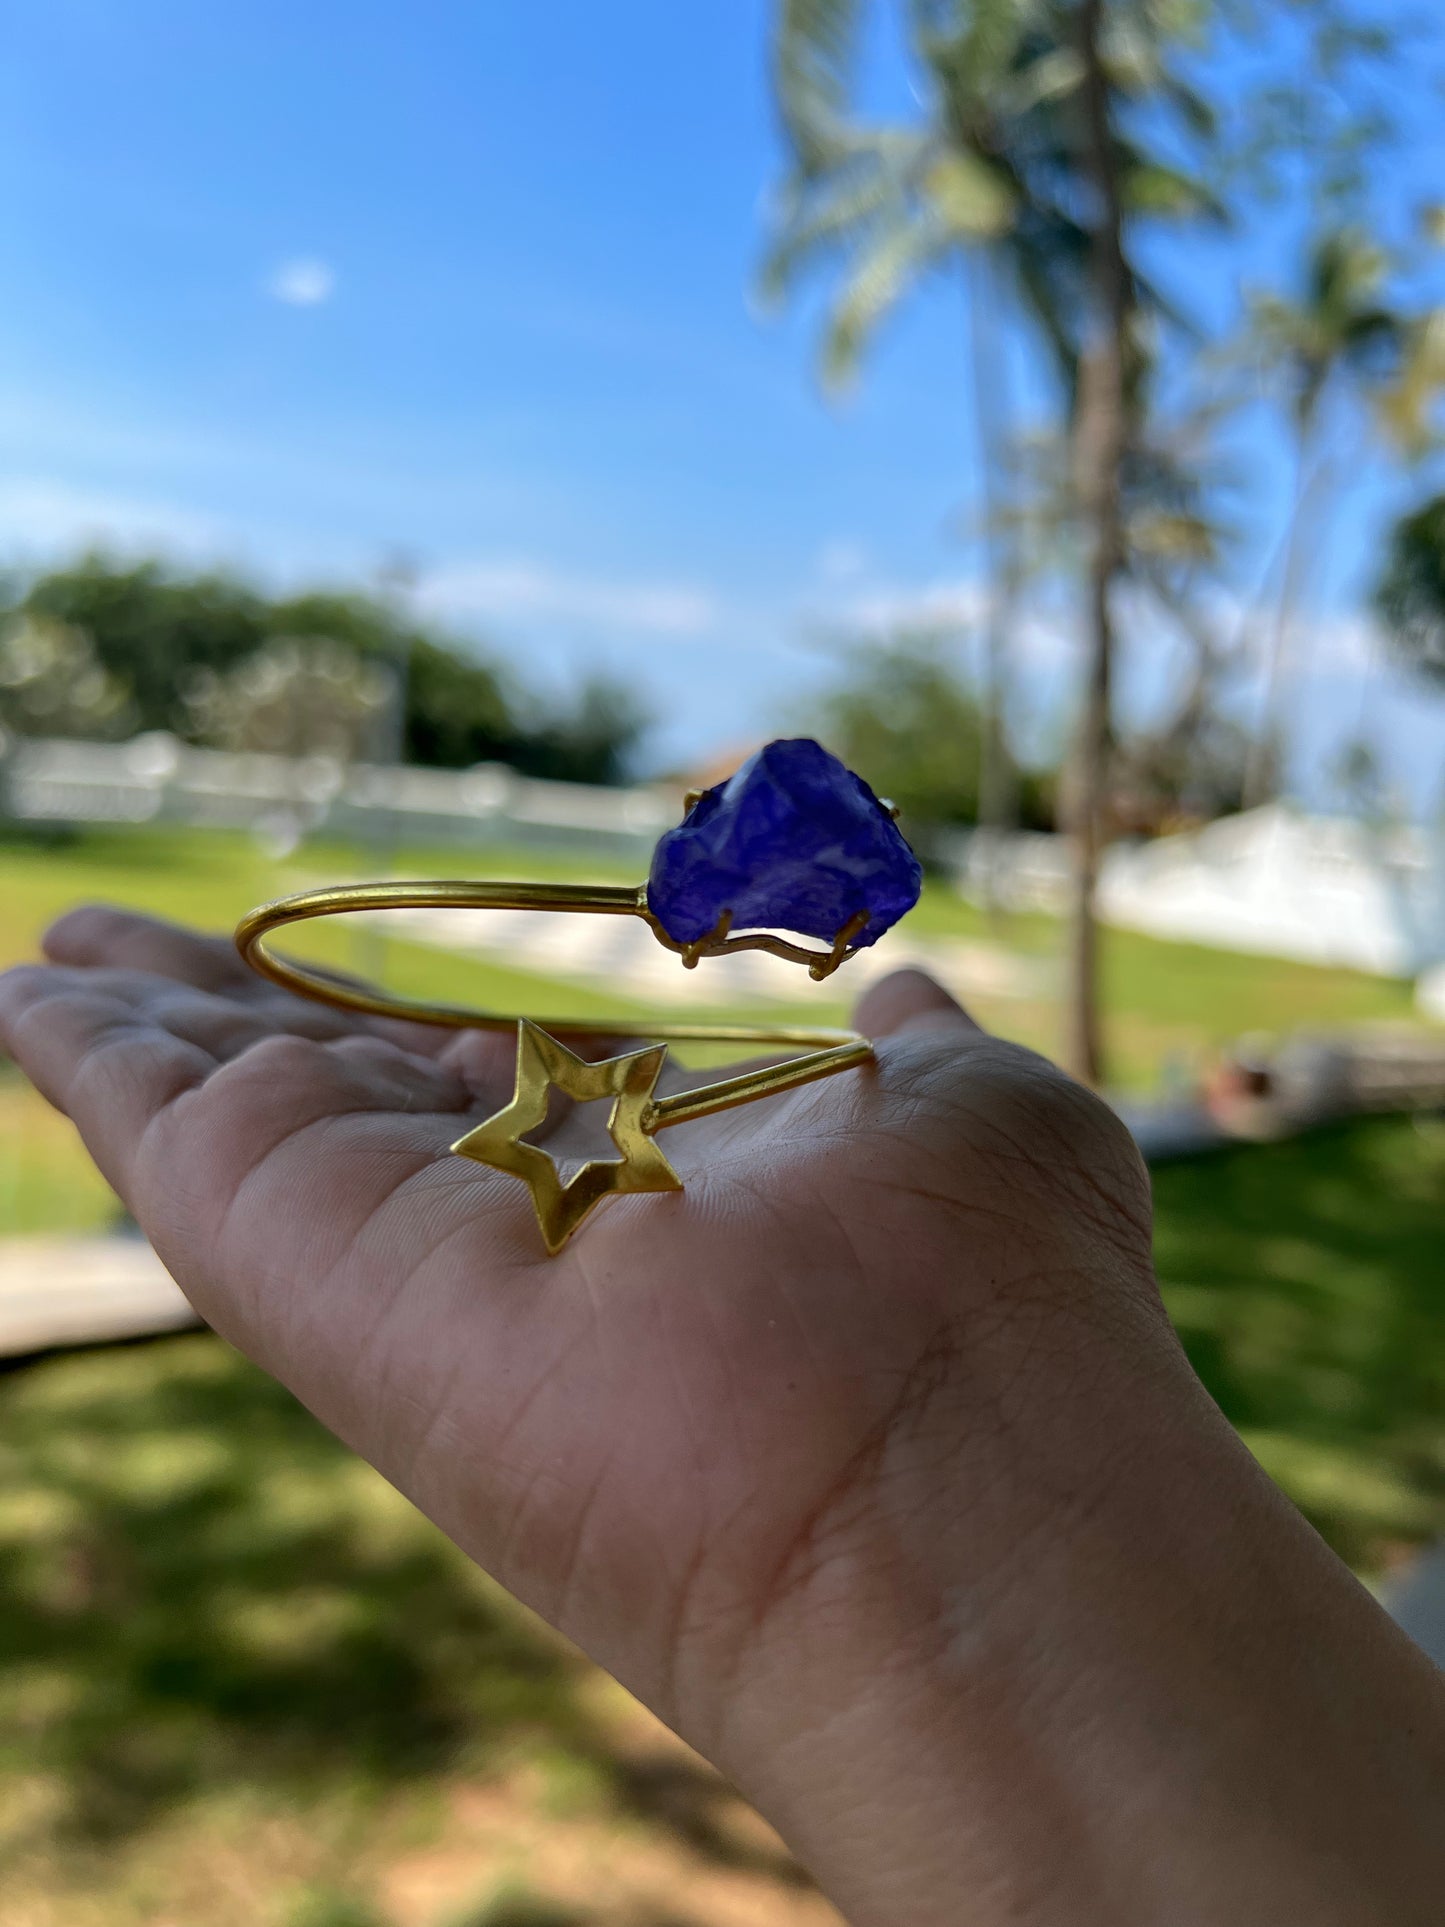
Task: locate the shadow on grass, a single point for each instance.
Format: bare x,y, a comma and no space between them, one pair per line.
200,1589
523,1912
512,1909
194,1571
1307,1280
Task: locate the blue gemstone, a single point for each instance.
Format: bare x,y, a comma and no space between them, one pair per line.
792,841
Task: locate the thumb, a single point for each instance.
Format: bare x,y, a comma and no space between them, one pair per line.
909,1000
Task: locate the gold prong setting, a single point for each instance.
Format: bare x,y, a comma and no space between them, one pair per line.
712,945
720,942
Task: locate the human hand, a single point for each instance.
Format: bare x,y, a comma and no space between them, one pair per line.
869,1461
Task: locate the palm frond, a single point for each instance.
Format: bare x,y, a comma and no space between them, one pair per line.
1340,326
972,200
831,211
1407,407
815,50
1154,187
885,272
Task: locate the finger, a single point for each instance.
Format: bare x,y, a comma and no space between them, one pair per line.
98,934
487,1061
221,1022
415,1082
910,1000
115,1049
97,1058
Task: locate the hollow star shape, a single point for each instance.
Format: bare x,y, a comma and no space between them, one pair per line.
628,1081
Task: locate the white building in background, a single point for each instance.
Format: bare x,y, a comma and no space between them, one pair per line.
1319,889
1324,890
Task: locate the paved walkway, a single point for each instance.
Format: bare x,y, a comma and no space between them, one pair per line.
1416,1602
83,1291
621,953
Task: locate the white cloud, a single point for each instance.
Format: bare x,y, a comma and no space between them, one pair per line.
1337,642
45,516
520,589
863,605
842,560
38,513
302,283
941,605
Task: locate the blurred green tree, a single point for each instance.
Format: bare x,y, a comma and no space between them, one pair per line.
1410,595
151,629
52,683
900,715
160,636
295,696
460,709
590,740
458,713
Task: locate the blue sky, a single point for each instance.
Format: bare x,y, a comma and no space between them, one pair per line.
302,286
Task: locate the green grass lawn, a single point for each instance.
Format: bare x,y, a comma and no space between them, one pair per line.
243,1683
1306,1281
1163,1000
1183,995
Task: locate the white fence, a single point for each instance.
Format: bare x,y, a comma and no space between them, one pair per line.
156,779
1319,889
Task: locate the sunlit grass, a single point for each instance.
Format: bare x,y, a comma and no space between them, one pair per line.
1305,1280
47,1183
242,1681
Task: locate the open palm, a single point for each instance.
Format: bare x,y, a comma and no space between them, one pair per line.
868,1460
660,1438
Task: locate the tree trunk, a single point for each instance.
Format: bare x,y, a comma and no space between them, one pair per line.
1100,442
995,764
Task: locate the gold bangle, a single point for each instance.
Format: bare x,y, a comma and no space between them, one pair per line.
542,1061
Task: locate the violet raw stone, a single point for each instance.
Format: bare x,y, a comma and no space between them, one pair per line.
792,841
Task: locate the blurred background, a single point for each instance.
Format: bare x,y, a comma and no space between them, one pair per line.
434,439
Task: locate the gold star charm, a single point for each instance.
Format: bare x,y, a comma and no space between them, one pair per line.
541,1063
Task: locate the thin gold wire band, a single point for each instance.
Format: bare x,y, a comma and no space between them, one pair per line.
602,899
543,1061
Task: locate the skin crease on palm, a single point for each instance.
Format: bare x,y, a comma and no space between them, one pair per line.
869,1461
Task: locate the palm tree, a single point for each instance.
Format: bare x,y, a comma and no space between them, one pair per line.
1101,448
1340,340
1020,152
898,205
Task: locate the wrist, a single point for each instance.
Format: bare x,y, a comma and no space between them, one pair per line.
1100,1672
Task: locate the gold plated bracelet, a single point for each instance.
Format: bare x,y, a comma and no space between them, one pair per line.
543,1062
